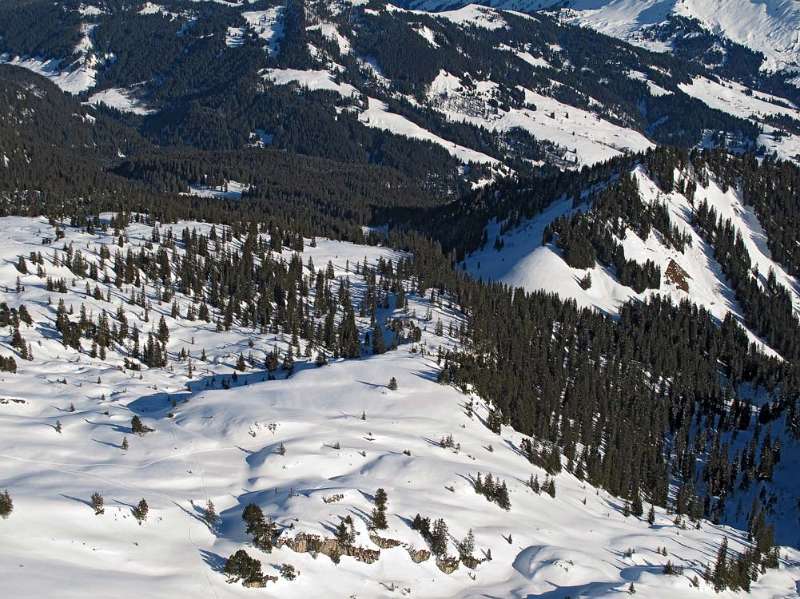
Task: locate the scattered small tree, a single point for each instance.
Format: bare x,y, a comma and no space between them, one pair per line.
438,538
379,513
393,384
467,546
97,503
210,514
261,529
140,511
345,532
137,427
6,505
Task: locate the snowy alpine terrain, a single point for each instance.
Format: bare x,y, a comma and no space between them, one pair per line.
766,26
309,448
415,298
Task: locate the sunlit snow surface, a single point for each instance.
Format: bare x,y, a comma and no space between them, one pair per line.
220,446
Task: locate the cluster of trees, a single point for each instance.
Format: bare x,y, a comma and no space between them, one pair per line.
548,486
436,534
495,491
738,571
240,566
649,396
39,29
141,510
250,286
767,304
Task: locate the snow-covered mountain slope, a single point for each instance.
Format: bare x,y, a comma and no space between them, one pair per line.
585,135
766,26
376,115
76,75
308,449
693,273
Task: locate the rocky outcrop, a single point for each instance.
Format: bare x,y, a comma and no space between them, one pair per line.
307,543
418,555
677,276
259,583
448,565
382,542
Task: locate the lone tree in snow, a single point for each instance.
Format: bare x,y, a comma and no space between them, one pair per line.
379,513
6,505
288,572
124,445
438,538
140,511
393,384
137,427
210,514
97,503
262,529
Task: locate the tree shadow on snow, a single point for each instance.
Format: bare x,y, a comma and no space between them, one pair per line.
214,560
85,502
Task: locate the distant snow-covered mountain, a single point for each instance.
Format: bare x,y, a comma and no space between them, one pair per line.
771,27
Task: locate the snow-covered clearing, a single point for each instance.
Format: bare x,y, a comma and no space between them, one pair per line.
120,99
655,90
377,115
310,80
587,137
268,26
231,190
330,32
735,99
74,78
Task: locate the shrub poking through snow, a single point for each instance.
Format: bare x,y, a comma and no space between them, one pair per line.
97,503
6,505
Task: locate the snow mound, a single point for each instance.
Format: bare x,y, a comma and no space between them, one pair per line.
560,566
